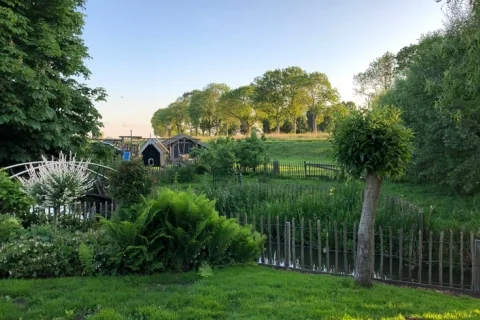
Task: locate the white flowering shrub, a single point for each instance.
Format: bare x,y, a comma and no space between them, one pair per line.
56,183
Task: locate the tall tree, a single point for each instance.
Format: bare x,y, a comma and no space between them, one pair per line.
211,112
295,83
195,109
239,104
320,96
379,77
44,108
374,144
270,94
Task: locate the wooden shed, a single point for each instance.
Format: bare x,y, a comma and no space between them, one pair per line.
182,144
154,153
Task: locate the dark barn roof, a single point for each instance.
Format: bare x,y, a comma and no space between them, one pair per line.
177,138
156,144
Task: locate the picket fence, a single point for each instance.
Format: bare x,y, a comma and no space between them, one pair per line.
416,256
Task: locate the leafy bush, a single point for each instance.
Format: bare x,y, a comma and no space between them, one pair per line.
42,252
179,231
130,182
9,225
13,200
185,174
251,152
219,158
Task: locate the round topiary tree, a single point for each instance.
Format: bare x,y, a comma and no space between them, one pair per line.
371,144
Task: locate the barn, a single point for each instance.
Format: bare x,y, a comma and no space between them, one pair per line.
182,144
154,153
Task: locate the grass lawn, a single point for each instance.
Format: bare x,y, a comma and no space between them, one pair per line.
249,292
300,150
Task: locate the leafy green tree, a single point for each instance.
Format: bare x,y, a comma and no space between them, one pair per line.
379,77
44,107
295,83
219,158
211,110
239,105
160,120
320,97
371,144
270,93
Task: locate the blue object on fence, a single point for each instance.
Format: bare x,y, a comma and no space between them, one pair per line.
126,155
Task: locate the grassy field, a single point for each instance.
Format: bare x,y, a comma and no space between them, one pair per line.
300,150
236,293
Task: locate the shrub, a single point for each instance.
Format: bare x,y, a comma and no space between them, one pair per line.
42,252
179,231
186,174
13,200
130,182
251,152
9,225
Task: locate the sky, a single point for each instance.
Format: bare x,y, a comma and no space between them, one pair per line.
146,53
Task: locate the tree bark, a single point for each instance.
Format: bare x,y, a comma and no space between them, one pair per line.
314,124
277,128
294,125
364,267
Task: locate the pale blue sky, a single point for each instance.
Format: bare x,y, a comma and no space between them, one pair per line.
151,51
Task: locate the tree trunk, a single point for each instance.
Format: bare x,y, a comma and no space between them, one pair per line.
294,125
249,129
56,211
364,267
314,124
277,128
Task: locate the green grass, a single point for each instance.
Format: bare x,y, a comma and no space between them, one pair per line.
300,150
236,293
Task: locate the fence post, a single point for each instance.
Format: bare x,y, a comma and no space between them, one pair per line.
476,266
287,253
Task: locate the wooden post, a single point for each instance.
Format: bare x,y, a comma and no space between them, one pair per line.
345,248
278,241
354,243
302,241
430,236
85,211
269,240
101,208
380,231
410,255
335,230
287,251
476,267
420,253
327,247
106,209
319,245
461,260
440,259
294,255
261,234
93,211
400,254
450,249
310,242
305,165
112,209
472,254
390,242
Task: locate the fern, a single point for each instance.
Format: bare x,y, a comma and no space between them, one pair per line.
205,270
85,253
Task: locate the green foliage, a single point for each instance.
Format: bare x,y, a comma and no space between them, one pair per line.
372,141
9,226
42,252
251,152
219,158
43,105
13,200
130,182
179,231
439,98
85,254
205,270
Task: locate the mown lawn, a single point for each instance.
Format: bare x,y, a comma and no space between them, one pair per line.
243,292
300,150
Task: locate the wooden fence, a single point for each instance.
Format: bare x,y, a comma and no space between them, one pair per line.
444,259
82,210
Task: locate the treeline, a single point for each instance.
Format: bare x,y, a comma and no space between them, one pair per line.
288,100
436,84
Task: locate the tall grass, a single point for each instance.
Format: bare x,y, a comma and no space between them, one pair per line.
339,202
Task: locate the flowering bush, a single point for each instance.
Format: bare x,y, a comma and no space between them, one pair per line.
58,182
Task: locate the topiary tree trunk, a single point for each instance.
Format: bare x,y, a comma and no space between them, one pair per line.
364,265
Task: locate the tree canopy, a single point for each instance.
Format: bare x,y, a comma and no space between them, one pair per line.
44,106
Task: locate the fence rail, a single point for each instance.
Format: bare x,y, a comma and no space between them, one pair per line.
445,259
